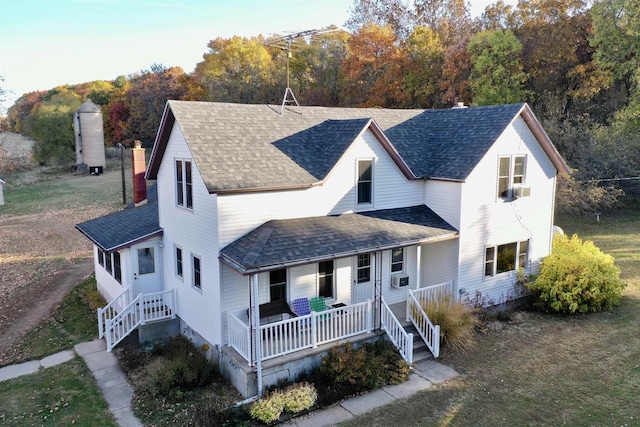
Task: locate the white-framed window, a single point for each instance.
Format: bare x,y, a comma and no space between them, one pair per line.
278,285
184,184
364,187
511,173
504,258
107,263
101,257
146,261
196,267
179,266
397,260
326,273
117,267
364,268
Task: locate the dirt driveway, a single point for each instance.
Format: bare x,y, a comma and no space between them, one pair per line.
42,255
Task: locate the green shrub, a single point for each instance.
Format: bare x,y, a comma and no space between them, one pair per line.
457,321
345,371
577,278
299,397
269,408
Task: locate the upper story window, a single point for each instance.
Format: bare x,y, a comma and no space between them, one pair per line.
511,174
325,279
179,270
278,285
504,258
184,184
397,260
197,272
365,182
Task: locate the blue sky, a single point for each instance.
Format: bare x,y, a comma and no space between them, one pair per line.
46,43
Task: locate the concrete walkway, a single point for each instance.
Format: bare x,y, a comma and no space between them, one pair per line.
424,375
104,367
118,392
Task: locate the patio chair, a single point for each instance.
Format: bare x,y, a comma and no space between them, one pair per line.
318,304
301,306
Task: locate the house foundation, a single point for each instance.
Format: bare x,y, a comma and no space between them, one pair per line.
235,369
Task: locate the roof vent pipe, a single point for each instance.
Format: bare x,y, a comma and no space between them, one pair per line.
459,105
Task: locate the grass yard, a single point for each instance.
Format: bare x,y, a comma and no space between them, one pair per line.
63,395
72,322
546,370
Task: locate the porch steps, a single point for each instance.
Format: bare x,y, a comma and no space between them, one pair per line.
420,350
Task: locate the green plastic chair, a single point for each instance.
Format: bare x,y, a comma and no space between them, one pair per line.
318,304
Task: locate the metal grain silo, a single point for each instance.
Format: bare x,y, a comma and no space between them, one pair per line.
87,122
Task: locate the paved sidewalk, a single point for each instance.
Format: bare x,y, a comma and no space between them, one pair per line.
424,375
104,366
110,379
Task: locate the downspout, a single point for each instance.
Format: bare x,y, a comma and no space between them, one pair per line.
255,329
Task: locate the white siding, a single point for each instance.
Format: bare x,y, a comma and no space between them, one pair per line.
108,286
439,263
196,232
487,220
444,198
240,213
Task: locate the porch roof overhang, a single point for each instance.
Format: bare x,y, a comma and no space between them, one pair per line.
286,243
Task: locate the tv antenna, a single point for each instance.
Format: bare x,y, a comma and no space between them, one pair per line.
289,43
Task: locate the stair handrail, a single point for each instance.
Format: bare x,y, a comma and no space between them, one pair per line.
123,322
110,310
396,333
429,332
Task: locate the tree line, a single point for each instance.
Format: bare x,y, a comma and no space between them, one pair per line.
575,62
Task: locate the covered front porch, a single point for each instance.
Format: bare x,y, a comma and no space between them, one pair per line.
284,349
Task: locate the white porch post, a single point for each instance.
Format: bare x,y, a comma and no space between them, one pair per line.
377,291
254,320
419,263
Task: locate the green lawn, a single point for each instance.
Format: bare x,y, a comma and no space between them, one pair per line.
63,395
72,322
546,370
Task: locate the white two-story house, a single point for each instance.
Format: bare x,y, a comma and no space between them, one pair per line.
261,210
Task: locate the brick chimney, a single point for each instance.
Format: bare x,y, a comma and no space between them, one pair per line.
139,168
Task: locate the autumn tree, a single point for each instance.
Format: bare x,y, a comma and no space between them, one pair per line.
236,70
456,70
424,67
374,68
497,75
497,16
146,98
450,19
397,14
50,124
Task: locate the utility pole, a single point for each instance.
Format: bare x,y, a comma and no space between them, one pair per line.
124,190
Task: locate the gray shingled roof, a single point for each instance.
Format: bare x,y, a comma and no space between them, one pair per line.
279,243
239,146
126,227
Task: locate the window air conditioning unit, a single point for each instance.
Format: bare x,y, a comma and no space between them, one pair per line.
521,191
399,281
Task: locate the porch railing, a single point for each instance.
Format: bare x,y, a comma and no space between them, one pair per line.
400,338
143,309
239,336
432,293
429,332
110,310
299,333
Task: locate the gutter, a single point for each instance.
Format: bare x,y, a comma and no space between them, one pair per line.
253,270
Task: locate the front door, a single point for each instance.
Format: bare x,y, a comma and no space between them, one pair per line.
362,279
146,268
